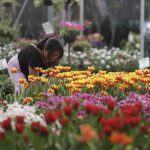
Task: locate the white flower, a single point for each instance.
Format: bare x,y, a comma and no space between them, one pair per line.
87,62
29,112
134,56
108,57
107,66
103,61
116,61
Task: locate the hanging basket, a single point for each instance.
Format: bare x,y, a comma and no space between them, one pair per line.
48,2
70,38
78,48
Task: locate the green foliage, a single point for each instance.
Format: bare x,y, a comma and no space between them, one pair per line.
81,45
69,31
7,32
133,42
57,4
6,86
37,3
23,42
7,51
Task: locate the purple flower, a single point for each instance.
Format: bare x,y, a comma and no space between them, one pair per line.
55,102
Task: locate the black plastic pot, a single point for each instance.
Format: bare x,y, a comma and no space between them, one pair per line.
70,38
48,2
78,48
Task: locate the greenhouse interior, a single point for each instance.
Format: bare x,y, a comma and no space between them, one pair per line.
74,74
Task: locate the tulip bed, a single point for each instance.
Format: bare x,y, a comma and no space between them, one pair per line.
78,110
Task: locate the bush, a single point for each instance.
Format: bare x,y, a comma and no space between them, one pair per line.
132,43
6,86
7,32
23,42
7,51
81,45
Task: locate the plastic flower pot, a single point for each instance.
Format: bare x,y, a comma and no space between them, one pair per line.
78,48
70,38
48,2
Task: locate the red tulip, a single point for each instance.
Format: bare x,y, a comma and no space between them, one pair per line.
67,110
19,128
67,102
107,130
35,126
64,121
25,138
20,119
88,107
2,135
51,117
75,104
44,130
144,129
6,124
111,104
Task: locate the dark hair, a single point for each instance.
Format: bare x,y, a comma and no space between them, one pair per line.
41,43
51,44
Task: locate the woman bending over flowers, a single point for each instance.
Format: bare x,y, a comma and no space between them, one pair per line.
44,54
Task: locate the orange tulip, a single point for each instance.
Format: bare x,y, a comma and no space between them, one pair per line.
14,70
91,69
27,100
87,133
121,138
51,91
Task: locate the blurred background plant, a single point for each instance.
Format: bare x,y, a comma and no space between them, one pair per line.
96,39
81,45
58,4
104,59
8,51
8,33
133,42
6,86
21,42
67,28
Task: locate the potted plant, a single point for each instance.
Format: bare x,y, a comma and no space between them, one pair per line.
70,30
81,45
48,2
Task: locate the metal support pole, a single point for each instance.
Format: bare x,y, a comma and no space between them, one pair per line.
69,59
69,13
50,15
142,27
21,12
81,15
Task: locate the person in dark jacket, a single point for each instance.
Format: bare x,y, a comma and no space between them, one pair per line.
44,54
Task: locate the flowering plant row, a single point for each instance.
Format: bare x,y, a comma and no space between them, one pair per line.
104,59
82,121
61,80
54,102
70,109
